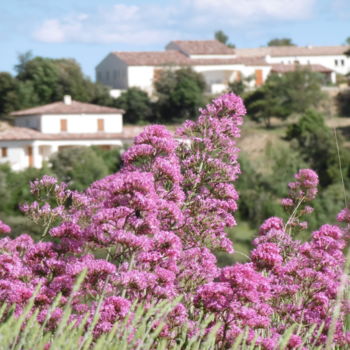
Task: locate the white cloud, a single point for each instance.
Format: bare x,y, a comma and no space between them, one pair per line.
151,23
120,23
255,10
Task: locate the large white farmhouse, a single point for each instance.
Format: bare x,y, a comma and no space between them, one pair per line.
216,62
331,57
41,131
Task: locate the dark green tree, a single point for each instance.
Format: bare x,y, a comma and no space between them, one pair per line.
9,99
223,38
280,42
78,166
137,106
44,76
317,146
45,80
283,95
343,103
179,95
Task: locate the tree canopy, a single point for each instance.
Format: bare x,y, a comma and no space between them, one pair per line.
41,80
137,106
223,38
281,42
180,94
282,95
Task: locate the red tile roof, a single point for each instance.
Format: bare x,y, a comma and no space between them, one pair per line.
153,58
284,68
10,133
281,51
202,47
74,108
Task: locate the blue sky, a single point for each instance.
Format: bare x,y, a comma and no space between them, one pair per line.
88,30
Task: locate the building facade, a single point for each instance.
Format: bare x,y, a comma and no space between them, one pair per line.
41,131
218,64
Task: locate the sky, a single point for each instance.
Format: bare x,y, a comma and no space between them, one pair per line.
87,30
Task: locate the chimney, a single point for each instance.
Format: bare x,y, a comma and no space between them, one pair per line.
67,99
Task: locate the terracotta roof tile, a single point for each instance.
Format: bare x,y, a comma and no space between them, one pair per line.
74,108
280,51
153,58
12,133
202,47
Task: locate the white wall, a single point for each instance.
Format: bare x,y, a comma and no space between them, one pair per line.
81,123
17,155
142,77
28,121
17,151
327,61
112,72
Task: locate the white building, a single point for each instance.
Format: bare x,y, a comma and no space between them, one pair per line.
41,131
331,57
218,64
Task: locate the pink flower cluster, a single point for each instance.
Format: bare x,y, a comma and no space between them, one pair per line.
301,192
148,232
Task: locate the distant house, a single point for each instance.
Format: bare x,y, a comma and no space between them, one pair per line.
331,57
41,131
218,64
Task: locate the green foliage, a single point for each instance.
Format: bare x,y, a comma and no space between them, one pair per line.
282,95
9,99
180,94
137,106
317,146
111,158
14,187
42,80
137,332
223,38
78,166
281,42
343,103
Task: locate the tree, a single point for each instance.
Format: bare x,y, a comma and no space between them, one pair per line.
23,59
78,166
268,101
9,100
282,95
46,80
223,38
281,42
317,146
180,93
347,41
137,106
343,103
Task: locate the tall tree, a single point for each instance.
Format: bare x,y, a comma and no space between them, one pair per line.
179,94
282,95
9,99
223,38
137,106
281,42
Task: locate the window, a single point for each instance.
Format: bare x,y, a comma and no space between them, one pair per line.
342,62
336,62
3,152
64,126
107,76
100,125
114,75
99,76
